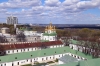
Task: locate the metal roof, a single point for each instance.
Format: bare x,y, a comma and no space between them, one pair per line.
40,53
67,59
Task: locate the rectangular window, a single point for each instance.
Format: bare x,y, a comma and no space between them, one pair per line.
27,60
13,51
31,60
12,64
46,58
8,51
17,50
28,49
59,55
5,64
32,48
42,59
18,63
50,57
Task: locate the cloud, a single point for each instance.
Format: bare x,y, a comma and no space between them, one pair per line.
52,3
20,3
71,6
3,10
88,4
70,2
33,10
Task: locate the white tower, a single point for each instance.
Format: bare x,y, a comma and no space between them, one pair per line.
50,33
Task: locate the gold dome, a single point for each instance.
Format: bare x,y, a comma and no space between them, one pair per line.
50,27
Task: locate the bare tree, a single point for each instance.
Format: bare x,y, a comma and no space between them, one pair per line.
2,51
21,37
3,39
43,46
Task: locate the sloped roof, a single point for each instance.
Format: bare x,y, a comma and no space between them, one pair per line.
29,45
92,62
67,59
32,54
40,53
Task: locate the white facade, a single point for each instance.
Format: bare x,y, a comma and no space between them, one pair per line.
30,37
28,33
32,60
39,59
49,38
76,47
29,49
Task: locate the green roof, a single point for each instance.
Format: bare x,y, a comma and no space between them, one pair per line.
40,53
73,41
92,62
25,28
51,34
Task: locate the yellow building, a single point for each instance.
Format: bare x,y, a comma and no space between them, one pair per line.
4,30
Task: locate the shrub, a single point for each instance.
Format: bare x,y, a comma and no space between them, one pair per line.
56,60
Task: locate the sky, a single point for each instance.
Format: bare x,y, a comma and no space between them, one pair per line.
55,11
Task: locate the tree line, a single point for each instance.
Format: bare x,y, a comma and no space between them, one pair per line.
89,39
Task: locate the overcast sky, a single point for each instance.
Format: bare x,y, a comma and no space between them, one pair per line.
56,11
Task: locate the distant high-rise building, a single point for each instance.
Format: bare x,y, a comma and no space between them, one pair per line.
12,20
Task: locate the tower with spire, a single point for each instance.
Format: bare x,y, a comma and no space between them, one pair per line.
50,33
